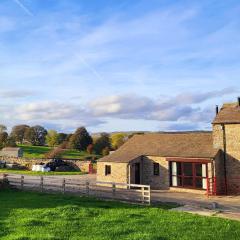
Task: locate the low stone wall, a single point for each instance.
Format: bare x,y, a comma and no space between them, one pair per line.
77,164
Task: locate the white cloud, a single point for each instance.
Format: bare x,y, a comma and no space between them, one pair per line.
48,110
177,110
180,107
11,94
122,105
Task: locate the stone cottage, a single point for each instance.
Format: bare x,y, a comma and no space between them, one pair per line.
192,161
11,152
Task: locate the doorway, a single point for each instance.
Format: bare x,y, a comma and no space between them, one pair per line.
137,173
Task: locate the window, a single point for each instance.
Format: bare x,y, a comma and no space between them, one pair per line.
188,175
156,168
107,170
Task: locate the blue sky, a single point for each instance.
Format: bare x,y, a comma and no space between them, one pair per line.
117,65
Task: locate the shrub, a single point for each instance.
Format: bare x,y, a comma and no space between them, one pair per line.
55,153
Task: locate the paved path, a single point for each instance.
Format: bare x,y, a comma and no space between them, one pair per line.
219,206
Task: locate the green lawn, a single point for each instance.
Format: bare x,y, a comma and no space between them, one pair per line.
25,215
39,173
40,151
34,151
74,154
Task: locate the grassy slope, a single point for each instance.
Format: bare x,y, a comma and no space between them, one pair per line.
40,151
26,215
25,172
34,151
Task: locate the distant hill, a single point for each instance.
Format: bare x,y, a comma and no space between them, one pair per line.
124,132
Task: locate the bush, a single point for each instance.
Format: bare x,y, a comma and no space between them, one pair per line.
55,153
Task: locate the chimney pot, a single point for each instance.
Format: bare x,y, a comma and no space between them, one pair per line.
217,109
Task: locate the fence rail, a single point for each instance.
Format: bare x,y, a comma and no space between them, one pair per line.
109,190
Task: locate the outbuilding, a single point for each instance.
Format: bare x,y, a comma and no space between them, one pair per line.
11,152
189,161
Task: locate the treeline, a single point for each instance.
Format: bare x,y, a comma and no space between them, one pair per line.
80,140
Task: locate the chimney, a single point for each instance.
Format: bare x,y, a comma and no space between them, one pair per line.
217,110
239,101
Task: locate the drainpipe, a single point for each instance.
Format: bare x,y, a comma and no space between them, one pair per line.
225,157
129,174
141,172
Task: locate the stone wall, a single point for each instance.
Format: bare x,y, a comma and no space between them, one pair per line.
77,164
233,156
119,172
156,182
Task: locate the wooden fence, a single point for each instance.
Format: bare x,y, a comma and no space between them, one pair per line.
106,190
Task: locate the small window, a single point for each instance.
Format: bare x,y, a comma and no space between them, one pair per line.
107,170
156,169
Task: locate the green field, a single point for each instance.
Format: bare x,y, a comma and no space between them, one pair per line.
26,172
40,151
25,215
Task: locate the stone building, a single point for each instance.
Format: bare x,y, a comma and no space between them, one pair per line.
194,161
11,152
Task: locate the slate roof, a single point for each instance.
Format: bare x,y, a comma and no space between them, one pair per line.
229,113
189,145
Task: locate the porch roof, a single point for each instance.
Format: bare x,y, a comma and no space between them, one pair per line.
188,145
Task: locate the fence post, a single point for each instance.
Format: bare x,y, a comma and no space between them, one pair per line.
22,182
63,186
142,188
113,189
149,198
87,188
5,177
41,183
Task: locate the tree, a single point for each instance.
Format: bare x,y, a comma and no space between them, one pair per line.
52,138
36,135
3,128
105,151
62,137
118,139
18,132
11,142
3,139
101,143
80,139
90,148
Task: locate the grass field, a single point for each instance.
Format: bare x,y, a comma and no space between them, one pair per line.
25,215
25,172
40,151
